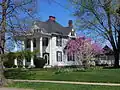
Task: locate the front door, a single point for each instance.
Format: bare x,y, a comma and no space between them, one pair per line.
46,57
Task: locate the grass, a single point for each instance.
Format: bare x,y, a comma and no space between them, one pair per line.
102,75
51,86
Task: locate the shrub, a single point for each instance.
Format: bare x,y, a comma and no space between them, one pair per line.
9,60
14,66
39,62
9,63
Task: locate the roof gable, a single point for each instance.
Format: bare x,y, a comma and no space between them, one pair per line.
53,27
107,50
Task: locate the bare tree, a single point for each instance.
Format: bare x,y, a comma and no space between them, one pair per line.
101,18
12,14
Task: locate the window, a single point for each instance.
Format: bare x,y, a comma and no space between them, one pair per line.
58,41
59,56
34,42
36,30
72,33
28,43
103,57
45,41
71,57
73,38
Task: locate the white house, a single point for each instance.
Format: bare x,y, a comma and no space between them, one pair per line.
50,38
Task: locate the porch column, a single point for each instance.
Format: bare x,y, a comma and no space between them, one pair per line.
31,49
15,60
41,47
23,48
50,48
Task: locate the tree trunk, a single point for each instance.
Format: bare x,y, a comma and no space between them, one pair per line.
116,62
2,42
2,78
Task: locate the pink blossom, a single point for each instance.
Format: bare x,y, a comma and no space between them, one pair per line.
83,47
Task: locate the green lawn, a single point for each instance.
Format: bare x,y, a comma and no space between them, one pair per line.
51,86
103,75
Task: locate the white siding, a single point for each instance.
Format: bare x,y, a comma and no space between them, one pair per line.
52,49
55,48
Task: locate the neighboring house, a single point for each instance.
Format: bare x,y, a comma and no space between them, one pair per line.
50,38
107,58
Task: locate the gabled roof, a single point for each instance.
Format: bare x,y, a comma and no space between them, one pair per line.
53,27
107,50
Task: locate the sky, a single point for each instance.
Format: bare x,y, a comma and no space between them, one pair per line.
58,8
61,9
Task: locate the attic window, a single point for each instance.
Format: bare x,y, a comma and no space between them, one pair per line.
39,30
36,30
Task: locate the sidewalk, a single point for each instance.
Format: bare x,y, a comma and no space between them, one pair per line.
13,89
70,82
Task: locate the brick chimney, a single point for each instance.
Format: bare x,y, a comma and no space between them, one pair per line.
52,18
70,23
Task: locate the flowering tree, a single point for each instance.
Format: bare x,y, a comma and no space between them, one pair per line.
101,18
83,49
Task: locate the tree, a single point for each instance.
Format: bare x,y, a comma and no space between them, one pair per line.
20,55
12,14
83,49
101,17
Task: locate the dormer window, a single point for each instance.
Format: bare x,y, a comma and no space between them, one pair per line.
72,33
36,30
58,41
39,30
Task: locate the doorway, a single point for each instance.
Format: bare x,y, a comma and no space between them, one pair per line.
46,57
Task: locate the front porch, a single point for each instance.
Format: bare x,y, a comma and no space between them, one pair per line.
40,42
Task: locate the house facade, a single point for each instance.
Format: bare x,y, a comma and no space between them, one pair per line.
107,58
50,38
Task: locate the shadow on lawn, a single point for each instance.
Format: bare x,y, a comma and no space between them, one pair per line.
18,74
111,67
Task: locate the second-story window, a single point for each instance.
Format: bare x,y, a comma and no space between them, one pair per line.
34,42
28,43
45,41
58,41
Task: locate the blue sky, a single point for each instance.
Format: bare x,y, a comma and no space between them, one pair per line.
60,11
